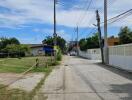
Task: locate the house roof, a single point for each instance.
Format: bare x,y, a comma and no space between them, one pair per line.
37,45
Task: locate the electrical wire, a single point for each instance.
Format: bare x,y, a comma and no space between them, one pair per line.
119,17
84,15
127,13
84,7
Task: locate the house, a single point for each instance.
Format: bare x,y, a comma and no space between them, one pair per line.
41,49
37,49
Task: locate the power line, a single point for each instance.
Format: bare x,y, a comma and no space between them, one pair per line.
120,16
90,3
113,19
85,12
81,19
84,7
95,8
123,17
92,31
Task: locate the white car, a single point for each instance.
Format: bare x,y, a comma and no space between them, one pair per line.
73,53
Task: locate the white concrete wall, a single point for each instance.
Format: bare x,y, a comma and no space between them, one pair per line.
93,54
121,56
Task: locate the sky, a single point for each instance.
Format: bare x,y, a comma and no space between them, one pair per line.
31,21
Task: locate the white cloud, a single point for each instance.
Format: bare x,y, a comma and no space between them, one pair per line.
117,8
64,35
26,11
49,32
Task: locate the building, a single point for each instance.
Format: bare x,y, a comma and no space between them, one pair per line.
72,45
113,41
41,49
37,49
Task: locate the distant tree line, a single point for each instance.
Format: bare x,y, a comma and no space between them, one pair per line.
11,47
125,37
89,43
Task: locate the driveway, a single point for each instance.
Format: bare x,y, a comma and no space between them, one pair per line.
83,79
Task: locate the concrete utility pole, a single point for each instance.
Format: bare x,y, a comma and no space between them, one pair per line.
77,42
106,50
55,34
100,36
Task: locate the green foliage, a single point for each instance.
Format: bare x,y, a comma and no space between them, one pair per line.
89,43
6,41
12,47
83,44
48,41
60,42
59,55
15,50
125,35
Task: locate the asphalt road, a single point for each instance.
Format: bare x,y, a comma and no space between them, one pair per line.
82,79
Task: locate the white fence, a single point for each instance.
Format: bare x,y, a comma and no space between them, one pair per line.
119,56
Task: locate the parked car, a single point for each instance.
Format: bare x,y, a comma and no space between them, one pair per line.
73,53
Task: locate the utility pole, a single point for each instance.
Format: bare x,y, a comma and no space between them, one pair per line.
106,50
55,34
77,42
100,36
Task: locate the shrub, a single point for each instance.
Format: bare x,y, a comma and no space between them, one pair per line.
59,55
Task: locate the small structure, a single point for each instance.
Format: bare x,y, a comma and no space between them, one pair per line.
113,41
72,46
37,49
41,49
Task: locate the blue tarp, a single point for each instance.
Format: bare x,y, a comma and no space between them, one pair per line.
48,49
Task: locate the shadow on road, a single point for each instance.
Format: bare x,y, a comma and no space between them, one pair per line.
120,72
124,90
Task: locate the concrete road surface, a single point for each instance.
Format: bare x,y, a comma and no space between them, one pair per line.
82,79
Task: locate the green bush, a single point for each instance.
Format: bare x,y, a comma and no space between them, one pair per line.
59,55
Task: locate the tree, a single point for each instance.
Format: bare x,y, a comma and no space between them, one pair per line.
83,44
6,41
14,41
60,42
12,47
95,41
125,35
89,43
49,41
16,50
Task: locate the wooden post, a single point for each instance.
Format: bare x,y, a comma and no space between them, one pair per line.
37,62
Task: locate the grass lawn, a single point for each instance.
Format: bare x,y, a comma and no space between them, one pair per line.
16,65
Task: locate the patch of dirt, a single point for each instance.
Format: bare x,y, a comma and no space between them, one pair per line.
27,83
6,78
